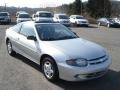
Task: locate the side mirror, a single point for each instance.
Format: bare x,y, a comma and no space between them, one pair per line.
36,16
32,38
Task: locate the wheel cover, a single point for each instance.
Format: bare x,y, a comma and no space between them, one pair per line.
99,24
48,70
9,47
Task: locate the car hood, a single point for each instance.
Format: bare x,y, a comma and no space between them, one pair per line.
44,18
24,19
77,48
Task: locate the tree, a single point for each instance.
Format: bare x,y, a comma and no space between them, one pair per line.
99,8
75,7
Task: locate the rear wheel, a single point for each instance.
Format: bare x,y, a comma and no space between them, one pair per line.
9,48
50,69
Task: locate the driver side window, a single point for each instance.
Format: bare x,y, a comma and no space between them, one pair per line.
27,30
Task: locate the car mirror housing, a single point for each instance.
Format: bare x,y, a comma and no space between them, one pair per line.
32,38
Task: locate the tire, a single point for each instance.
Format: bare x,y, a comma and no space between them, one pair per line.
49,69
99,24
76,25
9,49
108,25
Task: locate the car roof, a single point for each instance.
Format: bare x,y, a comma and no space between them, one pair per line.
43,12
60,14
35,23
76,15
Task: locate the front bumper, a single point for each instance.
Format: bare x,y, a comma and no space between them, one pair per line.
83,23
71,73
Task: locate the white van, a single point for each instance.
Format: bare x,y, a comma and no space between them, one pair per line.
43,15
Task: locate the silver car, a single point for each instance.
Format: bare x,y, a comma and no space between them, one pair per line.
59,51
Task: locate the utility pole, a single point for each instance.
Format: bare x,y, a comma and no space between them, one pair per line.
104,8
81,7
5,6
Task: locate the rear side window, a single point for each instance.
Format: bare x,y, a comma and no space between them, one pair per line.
27,30
17,27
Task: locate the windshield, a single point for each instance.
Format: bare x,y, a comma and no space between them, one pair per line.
3,14
51,32
79,17
46,15
24,16
63,17
110,20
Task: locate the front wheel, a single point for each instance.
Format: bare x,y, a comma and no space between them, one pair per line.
50,69
9,48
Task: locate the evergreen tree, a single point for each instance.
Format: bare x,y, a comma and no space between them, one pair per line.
99,8
75,7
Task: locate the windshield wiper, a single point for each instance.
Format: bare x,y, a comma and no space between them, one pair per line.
50,39
67,37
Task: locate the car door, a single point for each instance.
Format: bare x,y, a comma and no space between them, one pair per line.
14,36
29,48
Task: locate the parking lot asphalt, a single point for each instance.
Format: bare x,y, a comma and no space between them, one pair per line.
19,73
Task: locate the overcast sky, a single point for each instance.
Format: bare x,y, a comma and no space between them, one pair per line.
35,3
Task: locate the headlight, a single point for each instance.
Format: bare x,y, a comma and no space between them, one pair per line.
77,62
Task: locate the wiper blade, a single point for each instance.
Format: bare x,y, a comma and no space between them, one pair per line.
67,37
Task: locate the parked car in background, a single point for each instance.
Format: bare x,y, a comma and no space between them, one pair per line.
59,51
108,22
5,18
19,12
78,20
43,15
62,18
22,17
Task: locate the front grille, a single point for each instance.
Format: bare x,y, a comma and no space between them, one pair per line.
66,21
84,22
98,60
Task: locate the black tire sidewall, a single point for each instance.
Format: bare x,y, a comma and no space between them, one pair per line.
55,69
12,52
